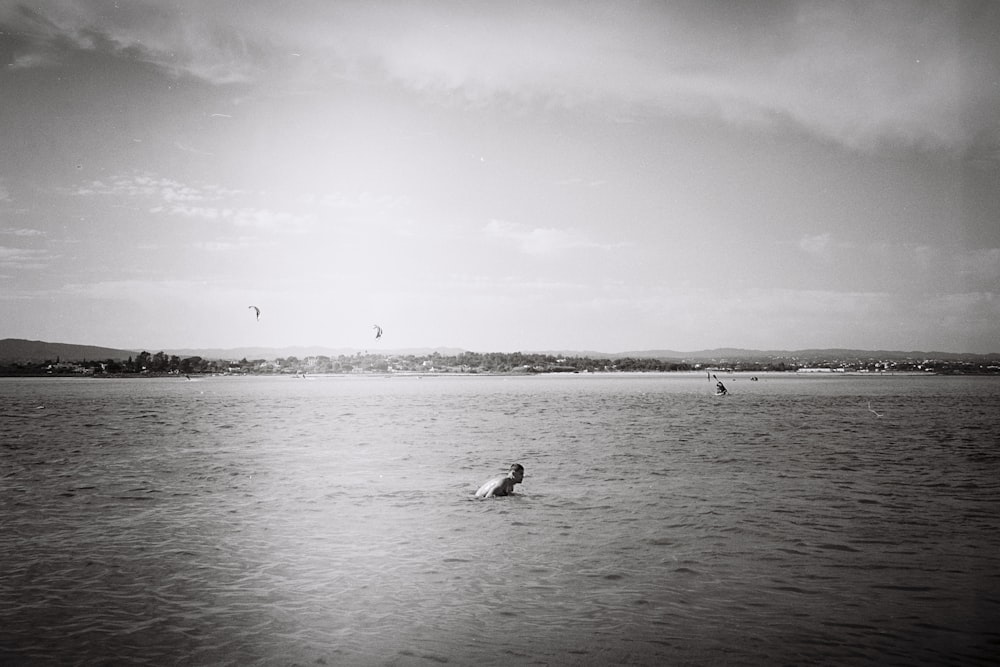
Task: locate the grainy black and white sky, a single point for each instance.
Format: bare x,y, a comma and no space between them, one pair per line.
501,176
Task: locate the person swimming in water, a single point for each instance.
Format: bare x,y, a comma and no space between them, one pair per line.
502,485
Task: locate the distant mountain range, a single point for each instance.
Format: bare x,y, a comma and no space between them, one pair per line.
741,354
19,350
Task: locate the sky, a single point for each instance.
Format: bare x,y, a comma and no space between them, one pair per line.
552,175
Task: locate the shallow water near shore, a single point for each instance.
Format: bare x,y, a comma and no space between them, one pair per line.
330,520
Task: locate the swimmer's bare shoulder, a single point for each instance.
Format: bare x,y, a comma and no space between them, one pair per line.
491,488
502,485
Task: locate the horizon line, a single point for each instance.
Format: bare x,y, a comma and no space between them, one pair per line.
460,350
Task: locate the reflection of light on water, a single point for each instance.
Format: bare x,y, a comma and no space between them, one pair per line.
648,510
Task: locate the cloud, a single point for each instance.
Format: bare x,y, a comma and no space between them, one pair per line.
930,269
203,202
182,41
9,231
204,212
815,245
980,267
509,288
147,185
257,218
269,219
229,245
147,291
363,200
31,61
863,75
189,149
540,241
872,74
296,211
24,258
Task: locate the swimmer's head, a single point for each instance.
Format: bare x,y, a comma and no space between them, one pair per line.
517,471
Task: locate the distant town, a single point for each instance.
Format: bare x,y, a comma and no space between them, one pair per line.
162,364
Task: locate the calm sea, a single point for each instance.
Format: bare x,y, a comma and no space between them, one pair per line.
330,520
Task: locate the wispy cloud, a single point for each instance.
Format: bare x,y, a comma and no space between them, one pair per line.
295,211
864,75
150,186
179,41
933,269
360,200
824,247
10,231
191,149
183,296
540,241
815,245
229,244
258,218
512,288
982,268
24,258
31,61
203,202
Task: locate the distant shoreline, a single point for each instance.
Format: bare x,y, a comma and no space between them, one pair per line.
746,376
817,362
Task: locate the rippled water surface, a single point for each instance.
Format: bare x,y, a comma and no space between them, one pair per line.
330,520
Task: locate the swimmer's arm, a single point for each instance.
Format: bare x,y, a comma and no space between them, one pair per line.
488,489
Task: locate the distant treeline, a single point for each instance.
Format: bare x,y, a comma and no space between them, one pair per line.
144,362
160,363
468,362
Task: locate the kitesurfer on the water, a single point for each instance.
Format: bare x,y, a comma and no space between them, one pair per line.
502,485
720,389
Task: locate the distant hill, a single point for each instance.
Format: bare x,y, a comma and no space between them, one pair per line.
739,354
19,350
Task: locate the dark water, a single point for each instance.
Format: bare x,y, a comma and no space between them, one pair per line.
330,521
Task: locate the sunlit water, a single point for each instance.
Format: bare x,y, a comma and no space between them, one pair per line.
330,520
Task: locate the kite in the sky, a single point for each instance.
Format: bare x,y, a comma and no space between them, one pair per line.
378,331
255,308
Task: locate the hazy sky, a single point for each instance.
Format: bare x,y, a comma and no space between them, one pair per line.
501,176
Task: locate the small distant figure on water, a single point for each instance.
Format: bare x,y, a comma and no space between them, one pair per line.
502,485
720,389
